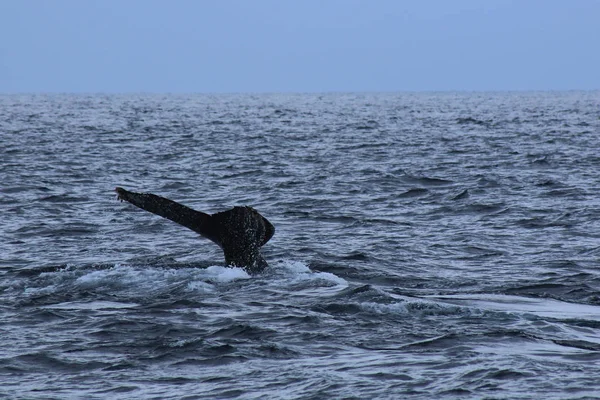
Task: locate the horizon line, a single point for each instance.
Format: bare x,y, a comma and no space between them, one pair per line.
144,92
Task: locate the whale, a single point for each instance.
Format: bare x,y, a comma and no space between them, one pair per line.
240,232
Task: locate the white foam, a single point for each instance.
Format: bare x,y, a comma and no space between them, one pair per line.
226,274
134,282
300,271
126,275
139,282
296,279
293,266
35,291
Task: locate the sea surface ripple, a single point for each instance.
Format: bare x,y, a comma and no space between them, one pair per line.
427,245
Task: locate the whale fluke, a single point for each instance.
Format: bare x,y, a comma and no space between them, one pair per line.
240,232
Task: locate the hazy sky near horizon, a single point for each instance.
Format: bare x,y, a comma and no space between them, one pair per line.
298,45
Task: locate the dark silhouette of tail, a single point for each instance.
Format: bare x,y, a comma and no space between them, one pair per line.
240,232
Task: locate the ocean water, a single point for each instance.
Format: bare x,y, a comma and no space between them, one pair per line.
433,245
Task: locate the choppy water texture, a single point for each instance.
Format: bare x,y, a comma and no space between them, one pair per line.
427,246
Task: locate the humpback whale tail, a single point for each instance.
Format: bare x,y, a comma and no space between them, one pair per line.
240,232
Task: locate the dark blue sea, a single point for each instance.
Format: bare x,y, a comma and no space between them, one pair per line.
427,246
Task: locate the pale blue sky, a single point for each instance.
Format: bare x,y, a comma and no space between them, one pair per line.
298,45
